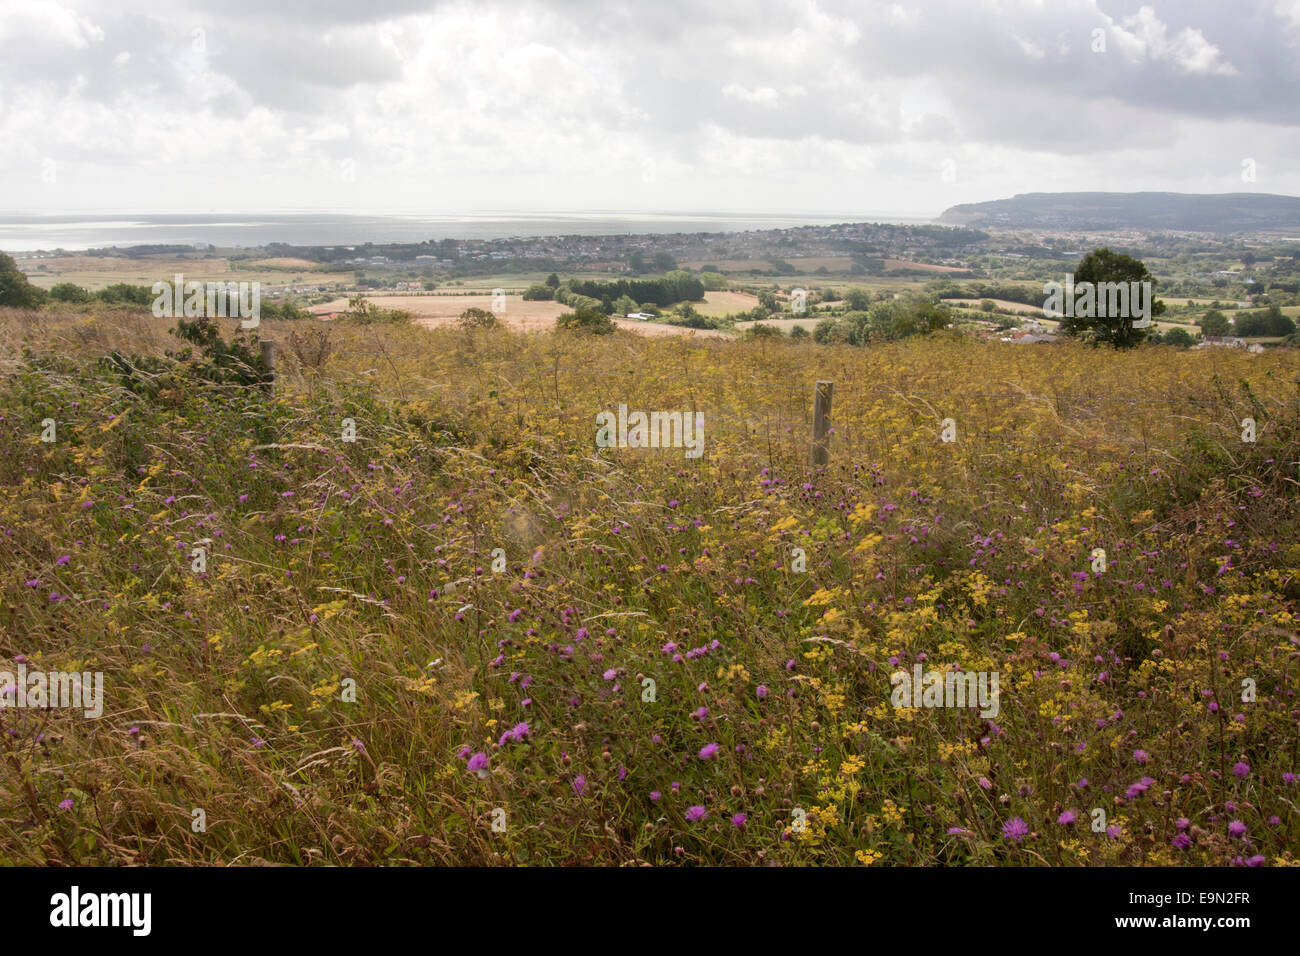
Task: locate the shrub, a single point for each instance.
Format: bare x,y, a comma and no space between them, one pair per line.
474,318
69,292
586,320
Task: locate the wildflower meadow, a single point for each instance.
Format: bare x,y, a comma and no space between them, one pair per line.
401,606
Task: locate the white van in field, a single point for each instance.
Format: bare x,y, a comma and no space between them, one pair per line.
643,316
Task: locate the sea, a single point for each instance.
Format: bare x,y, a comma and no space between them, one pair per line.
69,232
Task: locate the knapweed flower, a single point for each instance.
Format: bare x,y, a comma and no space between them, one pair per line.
1236,829
761,691
516,733
1241,769
1015,829
65,804
655,796
478,763
708,751
695,814
610,674
1141,756
1066,818
1137,789
738,820
579,784
1181,841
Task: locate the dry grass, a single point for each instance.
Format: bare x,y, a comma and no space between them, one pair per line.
373,561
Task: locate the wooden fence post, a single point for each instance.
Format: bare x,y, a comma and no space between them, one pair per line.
268,360
821,451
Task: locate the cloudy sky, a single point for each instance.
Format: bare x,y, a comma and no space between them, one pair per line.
775,106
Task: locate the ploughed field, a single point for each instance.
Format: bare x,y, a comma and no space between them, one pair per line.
472,635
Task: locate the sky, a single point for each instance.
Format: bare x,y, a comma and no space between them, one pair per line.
648,106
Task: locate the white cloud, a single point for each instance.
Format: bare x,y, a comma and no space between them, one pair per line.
1145,35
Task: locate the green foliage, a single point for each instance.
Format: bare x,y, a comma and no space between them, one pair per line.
282,310
1103,265
687,315
828,332
1271,322
586,320
365,312
474,318
1215,323
69,292
677,286
761,331
857,299
539,293
124,293
15,290
1179,337
221,362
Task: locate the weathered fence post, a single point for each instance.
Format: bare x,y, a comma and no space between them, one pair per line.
821,451
268,361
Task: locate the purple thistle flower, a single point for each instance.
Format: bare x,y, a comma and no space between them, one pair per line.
1236,829
738,820
707,751
1241,769
1066,818
1181,841
477,762
579,784
695,814
1015,829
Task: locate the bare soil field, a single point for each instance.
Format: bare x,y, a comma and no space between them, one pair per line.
283,262
724,303
437,311
94,273
1001,303
923,266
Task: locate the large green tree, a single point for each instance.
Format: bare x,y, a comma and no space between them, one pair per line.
1102,265
1214,323
15,290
